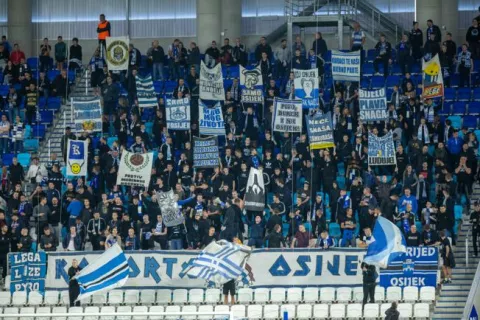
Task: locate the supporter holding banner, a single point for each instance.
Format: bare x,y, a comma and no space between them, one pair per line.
373,105
251,83
87,115
211,83
419,269
171,214
145,93
178,114
135,169
306,87
346,66
28,271
432,79
287,115
205,152
320,131
77,157
211,120
255,191
381,150
117,53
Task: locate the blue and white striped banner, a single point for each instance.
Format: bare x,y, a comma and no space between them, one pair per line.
145,93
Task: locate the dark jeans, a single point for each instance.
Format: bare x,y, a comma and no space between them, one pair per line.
475,238
464,77
73,292
384,61
369,290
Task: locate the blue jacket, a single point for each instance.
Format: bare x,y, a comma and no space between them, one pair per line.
77,242
404,200
455,145
75,208
132,243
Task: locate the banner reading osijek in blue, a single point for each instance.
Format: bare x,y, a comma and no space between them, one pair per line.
306,87
211,120
178,114
373,105
419,269
346,66
381,150
272,268
28,271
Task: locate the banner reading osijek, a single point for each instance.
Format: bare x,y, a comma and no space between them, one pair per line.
346,66
117,53
211,119
320,131
381,150
77,157
211,83
306,87
373,105
178,113
272,268
28,271
251,84
135,169
87,115
419,269
432,78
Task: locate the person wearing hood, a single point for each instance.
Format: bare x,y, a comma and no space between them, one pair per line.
392,312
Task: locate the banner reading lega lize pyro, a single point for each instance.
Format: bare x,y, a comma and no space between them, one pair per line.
272,268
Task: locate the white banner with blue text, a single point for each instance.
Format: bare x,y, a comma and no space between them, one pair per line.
381,150
178,113
211,119
373,105
270,268
346,66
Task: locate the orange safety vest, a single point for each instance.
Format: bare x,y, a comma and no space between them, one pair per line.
104,34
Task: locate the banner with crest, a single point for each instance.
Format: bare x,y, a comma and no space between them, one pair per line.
117,53
251,83
178,113
87,115
135,169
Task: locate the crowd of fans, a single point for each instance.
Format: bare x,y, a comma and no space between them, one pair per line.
310,192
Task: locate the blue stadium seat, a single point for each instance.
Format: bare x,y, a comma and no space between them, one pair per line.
396,70
459,107
378,82
54,103
30,145
446,109
328,56
32,63
111,140
371,54
464,94
476,94
392,81
416,69
450,94
417,79
365,83
454,80
368,69
46,117
334,230
38,131
7,159
24,159
470,121
52,74
456,121
149,127
474,107
234,72
170,86
158,87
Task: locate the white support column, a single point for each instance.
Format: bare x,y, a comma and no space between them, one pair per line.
20,24
208,23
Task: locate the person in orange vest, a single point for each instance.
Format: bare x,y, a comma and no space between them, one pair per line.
103,31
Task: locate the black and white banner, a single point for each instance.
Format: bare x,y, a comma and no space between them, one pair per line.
211,119
178,113
287,116
320,131
211,83
252,85
373,105
171,213
205,152
255,192
135,169
381,150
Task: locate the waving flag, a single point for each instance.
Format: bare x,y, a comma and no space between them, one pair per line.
145,93
110,271
220,262
388,244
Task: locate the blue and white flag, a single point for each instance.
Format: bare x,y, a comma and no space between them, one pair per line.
381,150
77,157
220,262
211,119
108,272
373,105
145,92
388,244
178,114
306,87
252,85
87,115
346,66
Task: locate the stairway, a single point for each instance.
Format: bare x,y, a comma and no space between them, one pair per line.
453,296
81,91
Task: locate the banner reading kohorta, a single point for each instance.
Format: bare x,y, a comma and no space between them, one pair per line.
373,105
178,114
135,169
145,93
117,53
346,66
77,157
287,115
211,120
381,150
432,79
251,84
211,83
87,115
320,131
306,87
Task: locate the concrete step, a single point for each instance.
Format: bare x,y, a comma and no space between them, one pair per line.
451,299
452,304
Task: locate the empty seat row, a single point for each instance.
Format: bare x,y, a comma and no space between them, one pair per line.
270,311
213,296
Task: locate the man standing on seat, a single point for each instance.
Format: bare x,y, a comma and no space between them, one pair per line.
103,31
